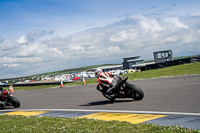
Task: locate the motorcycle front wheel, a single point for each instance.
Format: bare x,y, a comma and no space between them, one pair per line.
109,97
14,101
136,92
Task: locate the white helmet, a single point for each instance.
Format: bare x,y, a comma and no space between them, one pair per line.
98,71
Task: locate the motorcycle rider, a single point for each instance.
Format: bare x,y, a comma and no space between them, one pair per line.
106,81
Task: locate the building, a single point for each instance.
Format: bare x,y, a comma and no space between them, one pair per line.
128,62
142,66
110,68
163,56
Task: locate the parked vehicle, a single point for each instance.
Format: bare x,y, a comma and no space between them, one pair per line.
7,99
2,83
123,90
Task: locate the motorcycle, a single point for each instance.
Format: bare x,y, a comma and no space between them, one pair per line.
7,99
123,89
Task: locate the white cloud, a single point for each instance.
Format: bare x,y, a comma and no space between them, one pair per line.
58,52
76,48
151,25
37,34
22,39
173,22
6,45
31,50
10,65
123,35
40,51
113,50
20,60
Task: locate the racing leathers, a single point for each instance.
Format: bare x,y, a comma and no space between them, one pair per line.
106,82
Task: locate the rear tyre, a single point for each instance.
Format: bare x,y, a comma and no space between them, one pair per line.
136,92
2,106
109,97
15,102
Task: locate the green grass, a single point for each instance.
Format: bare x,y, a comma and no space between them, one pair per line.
186,69
35,124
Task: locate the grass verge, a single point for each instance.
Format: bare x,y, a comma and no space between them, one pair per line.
35,124
185,69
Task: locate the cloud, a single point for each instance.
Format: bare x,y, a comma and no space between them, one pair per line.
124,35
58,52
113,50
137,34
38,34
173,22
9,65
6,45
34,49
20,60
151,25
22,39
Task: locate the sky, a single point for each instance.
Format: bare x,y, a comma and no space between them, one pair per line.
38,36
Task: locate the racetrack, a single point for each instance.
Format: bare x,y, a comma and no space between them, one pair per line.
171,94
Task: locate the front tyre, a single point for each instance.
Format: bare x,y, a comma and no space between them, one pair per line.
14,101
109,97
136,92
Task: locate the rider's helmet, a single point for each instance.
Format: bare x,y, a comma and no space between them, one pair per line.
98,71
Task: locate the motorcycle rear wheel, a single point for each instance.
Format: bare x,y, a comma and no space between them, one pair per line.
2,106
14,101
111,98
137,93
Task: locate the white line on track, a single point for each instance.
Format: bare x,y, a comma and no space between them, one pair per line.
111,111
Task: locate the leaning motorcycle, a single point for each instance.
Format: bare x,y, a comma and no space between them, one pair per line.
123,89
7,99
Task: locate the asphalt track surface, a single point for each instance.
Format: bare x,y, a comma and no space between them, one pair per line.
171,101
170,94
